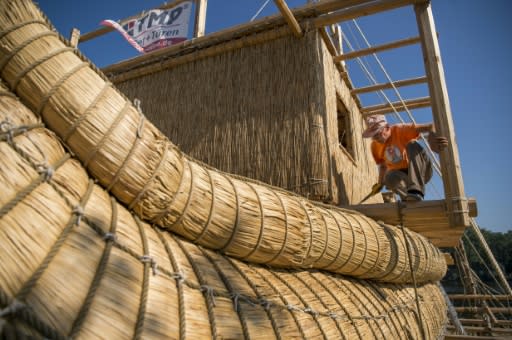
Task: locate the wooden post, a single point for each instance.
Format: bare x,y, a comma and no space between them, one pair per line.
450,164
200,20
288,16
492,259
74,37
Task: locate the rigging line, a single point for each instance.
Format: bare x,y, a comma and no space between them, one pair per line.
411,117
259,11
483,262
372,79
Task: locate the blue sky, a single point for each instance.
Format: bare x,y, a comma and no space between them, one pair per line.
476,48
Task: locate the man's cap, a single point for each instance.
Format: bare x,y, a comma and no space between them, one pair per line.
374,125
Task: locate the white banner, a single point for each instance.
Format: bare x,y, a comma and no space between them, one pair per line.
157,28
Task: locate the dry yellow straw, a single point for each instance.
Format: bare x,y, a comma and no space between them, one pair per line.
76,264
151,176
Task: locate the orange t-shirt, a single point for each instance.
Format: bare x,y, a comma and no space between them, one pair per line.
393,152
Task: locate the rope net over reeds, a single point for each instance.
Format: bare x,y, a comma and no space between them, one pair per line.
74,263
138,165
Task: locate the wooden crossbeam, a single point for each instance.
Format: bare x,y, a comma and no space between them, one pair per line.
353,12
504,310
473,329
378,48
500,297
383,86
429,218
396,106
468,337
288,16
484,322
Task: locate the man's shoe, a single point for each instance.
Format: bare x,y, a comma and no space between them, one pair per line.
414,196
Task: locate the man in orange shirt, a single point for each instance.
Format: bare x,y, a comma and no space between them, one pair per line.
404,166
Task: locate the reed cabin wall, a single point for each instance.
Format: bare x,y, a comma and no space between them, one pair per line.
267,111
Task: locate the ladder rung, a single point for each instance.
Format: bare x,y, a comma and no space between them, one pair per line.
384,86
378,48
396,106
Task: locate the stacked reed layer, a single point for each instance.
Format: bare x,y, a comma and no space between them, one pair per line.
74,263
145,171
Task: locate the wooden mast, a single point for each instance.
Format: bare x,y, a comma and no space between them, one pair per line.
200,21
450,165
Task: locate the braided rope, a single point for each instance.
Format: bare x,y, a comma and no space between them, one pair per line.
5,93
236,297
350,317
20,311
326,242
187,203
136,142
361,307
150,179
28,285
319,299
26,191
262,224
210,303
254,288
280,252
20,25
71,129
349,257
100,271
376,289
237,217
7,133
283,299
306,309
179,286
38,62
148,263
310,245
413,276
340,242
393,260
5,60
365,247
212,208
57,85
163,213
107,134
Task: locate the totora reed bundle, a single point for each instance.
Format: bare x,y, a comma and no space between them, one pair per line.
154,179
74,263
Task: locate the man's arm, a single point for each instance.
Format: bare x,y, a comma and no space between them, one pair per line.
425,128
436,142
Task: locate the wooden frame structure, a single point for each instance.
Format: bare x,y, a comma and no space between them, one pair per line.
330,12
457,204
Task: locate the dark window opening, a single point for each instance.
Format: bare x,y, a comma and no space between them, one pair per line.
345,133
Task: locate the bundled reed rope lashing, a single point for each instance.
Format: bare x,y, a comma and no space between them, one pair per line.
153,178
74,263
